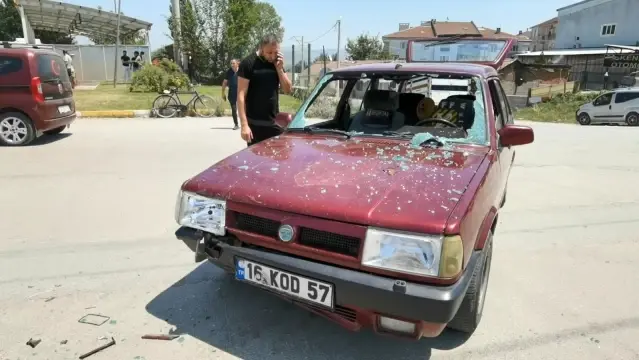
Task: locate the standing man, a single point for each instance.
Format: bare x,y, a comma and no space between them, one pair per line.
260,76
230,80
135,64
126,63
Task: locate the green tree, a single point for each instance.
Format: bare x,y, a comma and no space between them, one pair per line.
190,36
163,52
268,22
367,47
240,19
11,27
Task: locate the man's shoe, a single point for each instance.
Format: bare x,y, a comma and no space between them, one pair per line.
236,127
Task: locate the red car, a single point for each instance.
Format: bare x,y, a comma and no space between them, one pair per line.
379,213
36,95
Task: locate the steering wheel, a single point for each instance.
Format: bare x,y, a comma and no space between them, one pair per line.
437,120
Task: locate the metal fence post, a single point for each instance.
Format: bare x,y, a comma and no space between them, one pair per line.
81,63
106,74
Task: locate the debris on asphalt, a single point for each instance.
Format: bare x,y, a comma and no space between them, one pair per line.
94,319
90,307
96,350
160,337
49,299
33,342
64,342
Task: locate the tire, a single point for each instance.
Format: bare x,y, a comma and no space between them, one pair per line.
204,106
632,119
165,106
584,119
55,131
472,307
16,129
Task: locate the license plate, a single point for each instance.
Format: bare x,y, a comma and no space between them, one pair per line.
64,109
316,292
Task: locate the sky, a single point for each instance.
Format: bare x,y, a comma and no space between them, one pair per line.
313,18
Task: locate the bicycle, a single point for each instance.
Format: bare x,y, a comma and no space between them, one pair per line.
168,104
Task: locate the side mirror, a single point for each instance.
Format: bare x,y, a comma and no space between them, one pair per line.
513,135
283,119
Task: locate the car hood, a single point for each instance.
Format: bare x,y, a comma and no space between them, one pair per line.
375,182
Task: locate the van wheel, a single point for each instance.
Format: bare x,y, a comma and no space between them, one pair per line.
16,129
55,131
632,119
583,119
472,307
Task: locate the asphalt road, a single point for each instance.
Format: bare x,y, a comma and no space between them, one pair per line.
87,225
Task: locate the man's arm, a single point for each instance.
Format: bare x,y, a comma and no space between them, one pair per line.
224,85
285,83
242,87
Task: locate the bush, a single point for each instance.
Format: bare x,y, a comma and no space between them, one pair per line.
323,107
157,78
560,108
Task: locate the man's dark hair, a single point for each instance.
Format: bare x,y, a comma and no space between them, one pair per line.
124,51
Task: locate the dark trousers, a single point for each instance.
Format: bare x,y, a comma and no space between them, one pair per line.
261,133
234,111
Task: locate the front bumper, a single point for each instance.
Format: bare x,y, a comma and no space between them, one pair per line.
353,289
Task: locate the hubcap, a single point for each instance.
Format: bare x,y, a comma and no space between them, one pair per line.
633,119
13,130
584,119
483,288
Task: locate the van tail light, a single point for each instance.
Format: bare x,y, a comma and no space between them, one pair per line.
36,90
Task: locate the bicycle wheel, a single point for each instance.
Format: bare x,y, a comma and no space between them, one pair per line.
165,106
204,105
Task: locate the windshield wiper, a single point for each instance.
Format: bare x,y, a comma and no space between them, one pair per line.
314,130
450,40
398,133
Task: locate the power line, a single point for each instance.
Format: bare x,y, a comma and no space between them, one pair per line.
324,34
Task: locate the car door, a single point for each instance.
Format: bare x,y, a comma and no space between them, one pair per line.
622,103
503,116
601,107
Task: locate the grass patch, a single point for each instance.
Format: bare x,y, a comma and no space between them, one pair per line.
106,97
560,109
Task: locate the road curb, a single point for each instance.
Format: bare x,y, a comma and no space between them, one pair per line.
122,114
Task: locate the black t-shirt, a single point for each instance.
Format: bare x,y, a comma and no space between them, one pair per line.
262,97
136,62
231,82
125,60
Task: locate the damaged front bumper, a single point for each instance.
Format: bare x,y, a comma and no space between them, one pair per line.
360,299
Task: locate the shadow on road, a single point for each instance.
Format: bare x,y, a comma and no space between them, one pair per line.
48,139
252,324
222,128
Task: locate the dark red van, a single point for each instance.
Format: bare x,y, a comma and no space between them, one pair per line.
36,96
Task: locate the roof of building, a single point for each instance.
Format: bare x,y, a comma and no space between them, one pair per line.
553,20
435,67
81,20
577,52
448,28
584,2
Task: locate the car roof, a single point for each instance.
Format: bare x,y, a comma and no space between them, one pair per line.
435,67
633,89
26,50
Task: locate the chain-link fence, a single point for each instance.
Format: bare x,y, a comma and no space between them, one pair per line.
95,63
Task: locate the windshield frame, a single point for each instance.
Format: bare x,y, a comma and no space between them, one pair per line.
477,135
495,63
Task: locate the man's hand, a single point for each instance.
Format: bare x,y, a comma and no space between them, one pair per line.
279,63
246,133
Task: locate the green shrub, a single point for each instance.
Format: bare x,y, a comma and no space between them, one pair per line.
152,78
323,107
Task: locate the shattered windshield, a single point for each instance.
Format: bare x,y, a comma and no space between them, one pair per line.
448,107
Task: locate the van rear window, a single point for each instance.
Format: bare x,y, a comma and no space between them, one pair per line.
9,65
52,68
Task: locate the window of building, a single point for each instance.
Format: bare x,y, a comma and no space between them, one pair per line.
608,29
402,45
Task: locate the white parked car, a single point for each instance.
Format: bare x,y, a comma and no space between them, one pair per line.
615,107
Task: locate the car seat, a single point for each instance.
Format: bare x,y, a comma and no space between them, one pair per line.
458,109
380,114
408,106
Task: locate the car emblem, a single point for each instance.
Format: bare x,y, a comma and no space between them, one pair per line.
286,233
60,89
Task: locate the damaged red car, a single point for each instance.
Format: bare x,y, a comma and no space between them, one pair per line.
378,204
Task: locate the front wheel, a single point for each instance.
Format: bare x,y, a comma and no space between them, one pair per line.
165,106
472,307
204,105
632,119
583,119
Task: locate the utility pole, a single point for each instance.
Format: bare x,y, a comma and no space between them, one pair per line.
339,45
177,27
300,40
117,45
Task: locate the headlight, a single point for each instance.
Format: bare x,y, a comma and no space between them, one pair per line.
201,213
428,255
